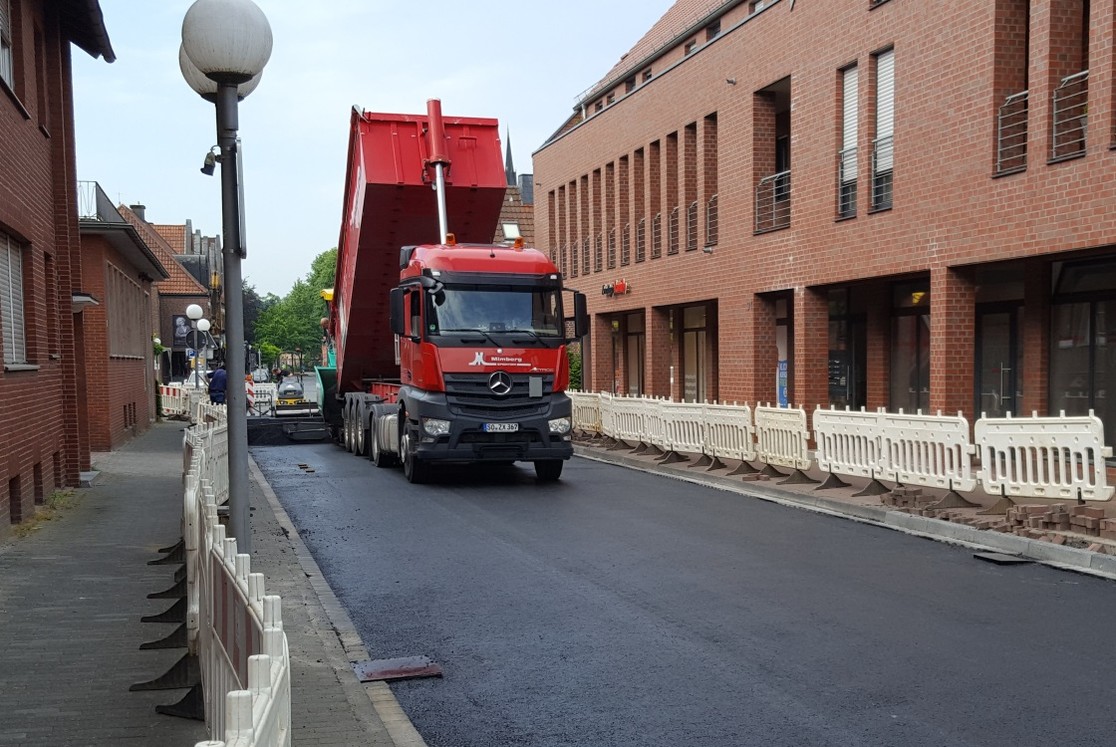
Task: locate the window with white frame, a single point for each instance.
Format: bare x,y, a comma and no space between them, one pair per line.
846,158
6,41
11,301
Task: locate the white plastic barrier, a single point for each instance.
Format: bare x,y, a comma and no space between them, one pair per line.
264,398
1044,457
232,626
729,433
586,411
929,450
782,439
848,442
173,400
608,415
683,426
627,419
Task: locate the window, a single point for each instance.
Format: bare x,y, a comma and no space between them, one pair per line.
755,6
713,30
511,231
629,84
599,106
611,99
846,158
882,159
11,300
690,47
6,42
647,75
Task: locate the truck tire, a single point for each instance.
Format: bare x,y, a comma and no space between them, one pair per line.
548,470
414,469
360,441
380,457
347,427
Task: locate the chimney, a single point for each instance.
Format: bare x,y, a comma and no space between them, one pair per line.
139,211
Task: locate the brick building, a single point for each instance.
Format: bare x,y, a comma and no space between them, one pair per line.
851,202
44,430
119,269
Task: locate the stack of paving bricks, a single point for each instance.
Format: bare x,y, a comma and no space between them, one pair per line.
910,500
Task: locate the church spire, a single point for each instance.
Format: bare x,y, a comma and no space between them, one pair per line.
509,167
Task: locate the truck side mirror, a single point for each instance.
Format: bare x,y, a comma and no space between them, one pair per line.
396,311
581,315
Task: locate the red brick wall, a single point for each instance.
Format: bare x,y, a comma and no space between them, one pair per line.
42,441
949,213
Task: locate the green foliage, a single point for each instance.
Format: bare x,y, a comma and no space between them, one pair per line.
269,354
574,355
294,321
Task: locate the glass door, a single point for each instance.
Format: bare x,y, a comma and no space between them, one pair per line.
999,361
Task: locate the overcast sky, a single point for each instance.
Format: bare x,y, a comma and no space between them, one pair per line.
142,132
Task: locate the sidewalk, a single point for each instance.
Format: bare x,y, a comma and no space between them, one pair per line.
72,593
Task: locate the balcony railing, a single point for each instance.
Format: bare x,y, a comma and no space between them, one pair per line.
1011,134
882,162
626,245
692,227
846,183
641,240
572,249
711,222
598,254
672,231
657,236
612,248
1070,116
773,202
585,255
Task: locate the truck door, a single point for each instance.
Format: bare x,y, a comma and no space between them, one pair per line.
408,345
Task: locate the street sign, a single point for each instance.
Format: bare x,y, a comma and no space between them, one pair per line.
191,353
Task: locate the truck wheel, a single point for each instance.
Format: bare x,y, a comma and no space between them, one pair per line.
414,469
347,426
359,435
548,470
378,456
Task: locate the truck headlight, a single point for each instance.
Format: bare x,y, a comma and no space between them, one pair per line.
436,427
560,426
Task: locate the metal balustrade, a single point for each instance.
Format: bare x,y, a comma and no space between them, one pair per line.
626,245
598,253
641,240
692,226
657,236
773,202
1070,114
612,248
672,231
711,222
846,183
882,175
1011,134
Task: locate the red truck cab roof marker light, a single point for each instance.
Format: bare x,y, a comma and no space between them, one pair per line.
451,240
519,244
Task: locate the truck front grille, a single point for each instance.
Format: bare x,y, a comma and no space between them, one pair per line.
469,394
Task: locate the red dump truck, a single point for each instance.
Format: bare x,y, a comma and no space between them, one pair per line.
448,348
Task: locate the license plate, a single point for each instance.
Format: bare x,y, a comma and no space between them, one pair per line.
501,427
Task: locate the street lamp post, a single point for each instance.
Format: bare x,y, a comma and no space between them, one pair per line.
201,349
194,313
225,45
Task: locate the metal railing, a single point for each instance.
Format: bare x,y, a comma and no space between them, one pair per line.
1070,116
585,255
641,240
711,223
692,227
1011,134
882,161
846,182
626,245
612,248
773,202
672,231
598,253
571,248
657,236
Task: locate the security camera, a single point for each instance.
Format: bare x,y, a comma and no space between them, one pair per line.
208,164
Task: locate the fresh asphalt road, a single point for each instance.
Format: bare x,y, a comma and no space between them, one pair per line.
623,608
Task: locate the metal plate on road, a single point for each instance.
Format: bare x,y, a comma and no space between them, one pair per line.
403,667
1000,558
501,427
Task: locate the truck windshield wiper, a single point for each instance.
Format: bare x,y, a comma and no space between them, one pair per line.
479,331
533,333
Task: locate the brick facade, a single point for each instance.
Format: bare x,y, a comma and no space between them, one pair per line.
44,437
972,231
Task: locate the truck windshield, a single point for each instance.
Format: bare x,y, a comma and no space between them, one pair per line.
533,311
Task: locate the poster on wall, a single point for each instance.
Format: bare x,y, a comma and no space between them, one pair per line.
181,328
781,384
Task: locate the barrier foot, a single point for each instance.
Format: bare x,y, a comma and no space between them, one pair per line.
702,461
999,507
798,477
744,469
875,487
618,445
832,481
191,706
177,639
175,614
184,673
175,592
716,463
176,555
770,471
180,545
641,449
655,451
673,457
953,499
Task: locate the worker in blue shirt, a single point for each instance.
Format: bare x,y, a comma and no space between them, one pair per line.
218,383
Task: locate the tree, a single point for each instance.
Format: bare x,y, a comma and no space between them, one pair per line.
294,320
